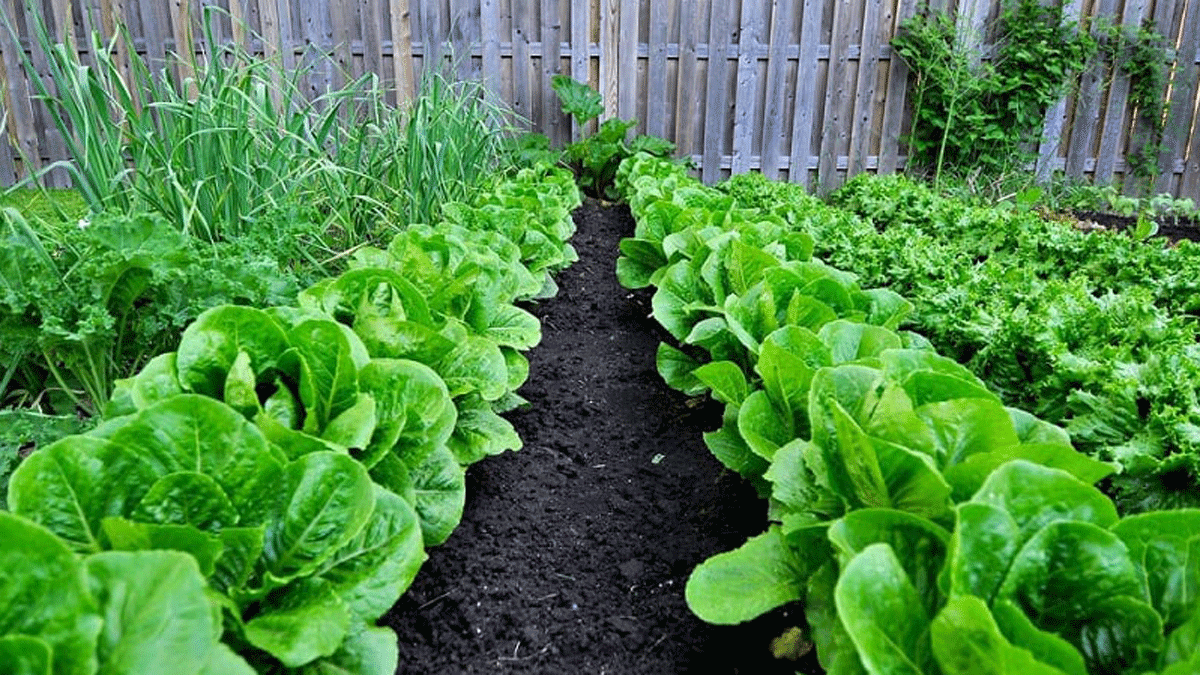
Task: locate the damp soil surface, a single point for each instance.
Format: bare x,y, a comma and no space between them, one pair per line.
573,552
1172,229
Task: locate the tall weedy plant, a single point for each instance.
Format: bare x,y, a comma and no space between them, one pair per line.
972,114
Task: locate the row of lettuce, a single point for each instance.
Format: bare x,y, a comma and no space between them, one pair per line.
1089,329
927,527
257,499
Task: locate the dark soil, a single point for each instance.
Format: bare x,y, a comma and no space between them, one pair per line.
573,553
1172,229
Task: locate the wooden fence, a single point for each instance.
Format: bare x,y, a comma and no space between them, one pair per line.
807,90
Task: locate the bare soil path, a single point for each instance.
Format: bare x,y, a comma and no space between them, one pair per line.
573,552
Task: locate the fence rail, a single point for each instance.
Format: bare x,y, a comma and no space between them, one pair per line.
804,90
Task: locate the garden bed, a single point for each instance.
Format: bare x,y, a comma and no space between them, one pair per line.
573,553
1173,229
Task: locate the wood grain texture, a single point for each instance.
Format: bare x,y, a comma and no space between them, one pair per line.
835,126
775,106
610,73
715,113
738,85
656,69
867,83
628,45
1056,116
554,123
400,18
1181,113
745,108
522,85
1088,103
1116,115
581,58
805,115
687,109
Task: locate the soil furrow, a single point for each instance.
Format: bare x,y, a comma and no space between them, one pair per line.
573,552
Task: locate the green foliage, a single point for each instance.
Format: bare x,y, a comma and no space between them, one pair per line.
1142,54
578,100
1090,330
22,432
83,304
275,480
596,158
113,612
927,527
974,114
221,154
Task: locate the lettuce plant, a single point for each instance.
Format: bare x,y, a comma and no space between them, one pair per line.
927,527
112,612
305,552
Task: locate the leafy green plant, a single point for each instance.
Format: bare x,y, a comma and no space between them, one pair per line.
22,432
595,159
927,527
289,542
221,154
971,114
578,100
83,304
1090,330
114,612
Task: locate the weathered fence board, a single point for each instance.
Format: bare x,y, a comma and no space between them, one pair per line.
804,89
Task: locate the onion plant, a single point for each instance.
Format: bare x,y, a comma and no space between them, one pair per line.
238,143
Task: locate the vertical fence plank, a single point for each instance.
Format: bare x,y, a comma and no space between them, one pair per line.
715,97
806,93
9,172
400,17
1184,91
580,50
610,19
1140,134
154,33
1088,100
46,143
745,107
287,39
341,15
687,108
656,70
237,22
1056,115
522,89
464,35
627,70
489,29
554,123
893,110
835,95
272,38
864,98
1190,181
970,24
112,22
185,48
18,99
372,36
1116,112
775,103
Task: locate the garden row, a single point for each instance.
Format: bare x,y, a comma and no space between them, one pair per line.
926,526
256,499
1092,330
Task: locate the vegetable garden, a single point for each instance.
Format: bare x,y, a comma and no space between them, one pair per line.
273,430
